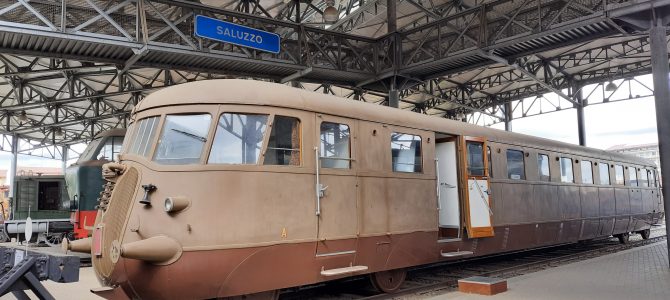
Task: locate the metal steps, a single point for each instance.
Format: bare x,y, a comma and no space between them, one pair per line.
456,254
343,271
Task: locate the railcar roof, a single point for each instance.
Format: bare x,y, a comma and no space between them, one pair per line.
251,92
112,132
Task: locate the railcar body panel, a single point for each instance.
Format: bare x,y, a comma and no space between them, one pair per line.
253,163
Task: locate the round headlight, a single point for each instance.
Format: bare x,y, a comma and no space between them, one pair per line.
169,205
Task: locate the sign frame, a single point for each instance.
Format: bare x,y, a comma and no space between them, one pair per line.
249,30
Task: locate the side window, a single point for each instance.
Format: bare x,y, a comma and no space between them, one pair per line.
406,153
515,165
335,149
488,154
604,170
650,176
587,171
618,173
146,130
284,143
566,170
644,179
543,167
182,139
632,176
238,139
475,158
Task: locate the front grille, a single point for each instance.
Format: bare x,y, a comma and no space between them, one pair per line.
114,218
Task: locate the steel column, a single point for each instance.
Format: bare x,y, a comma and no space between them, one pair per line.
12,166
508,116
659,63
66,149
394,95
581,126
392,24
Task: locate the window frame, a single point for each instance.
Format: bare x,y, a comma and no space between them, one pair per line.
600,173
581,171
523,164
623,175
539,168
630,179
266,140
422,150
149,151
206,146
572,168
215,131
350,138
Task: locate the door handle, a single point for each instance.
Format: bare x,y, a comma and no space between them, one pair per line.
322,190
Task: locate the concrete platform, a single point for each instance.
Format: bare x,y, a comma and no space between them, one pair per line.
640,273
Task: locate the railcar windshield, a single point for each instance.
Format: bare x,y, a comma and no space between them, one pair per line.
238,139
90,151
182,139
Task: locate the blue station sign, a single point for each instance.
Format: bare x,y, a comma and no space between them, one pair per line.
232,33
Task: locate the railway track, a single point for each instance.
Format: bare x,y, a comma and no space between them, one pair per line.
439,278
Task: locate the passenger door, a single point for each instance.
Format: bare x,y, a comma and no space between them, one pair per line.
475,187
337,214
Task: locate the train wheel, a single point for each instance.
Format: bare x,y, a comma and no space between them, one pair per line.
55,239
623,237
269,295
388,281
645,234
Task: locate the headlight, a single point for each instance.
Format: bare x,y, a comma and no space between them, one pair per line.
176,204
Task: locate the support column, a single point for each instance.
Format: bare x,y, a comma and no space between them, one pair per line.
12,165
581,127
394,95
508,116
660,70
65,157
391,16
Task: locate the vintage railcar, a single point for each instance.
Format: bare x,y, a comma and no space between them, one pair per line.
234,187
84,179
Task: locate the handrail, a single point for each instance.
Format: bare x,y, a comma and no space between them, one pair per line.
318,183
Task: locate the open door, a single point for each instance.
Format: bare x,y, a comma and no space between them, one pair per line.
475,187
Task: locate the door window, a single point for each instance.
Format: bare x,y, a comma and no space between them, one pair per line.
475,158
335,148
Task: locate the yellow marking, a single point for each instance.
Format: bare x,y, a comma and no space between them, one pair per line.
284,234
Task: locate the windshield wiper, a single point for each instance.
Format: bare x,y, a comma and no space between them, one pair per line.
195,136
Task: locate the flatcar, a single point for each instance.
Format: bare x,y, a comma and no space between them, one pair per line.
233,187
84,179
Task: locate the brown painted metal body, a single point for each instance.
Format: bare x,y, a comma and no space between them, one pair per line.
250,228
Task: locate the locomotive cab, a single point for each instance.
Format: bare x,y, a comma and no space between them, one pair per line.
84,179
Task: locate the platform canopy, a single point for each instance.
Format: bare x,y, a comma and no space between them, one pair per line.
72,68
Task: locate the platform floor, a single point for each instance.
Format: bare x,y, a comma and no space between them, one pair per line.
639,273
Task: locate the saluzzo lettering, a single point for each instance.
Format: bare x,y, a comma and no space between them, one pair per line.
245,36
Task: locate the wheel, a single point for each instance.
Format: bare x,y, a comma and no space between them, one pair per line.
623,237
645,234
55,239
388,281
269,295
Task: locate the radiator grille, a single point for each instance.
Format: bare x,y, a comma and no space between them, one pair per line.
114,218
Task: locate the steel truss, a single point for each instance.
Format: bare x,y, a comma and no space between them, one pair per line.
447,58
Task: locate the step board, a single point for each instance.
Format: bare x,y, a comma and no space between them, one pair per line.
343,271
456,254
